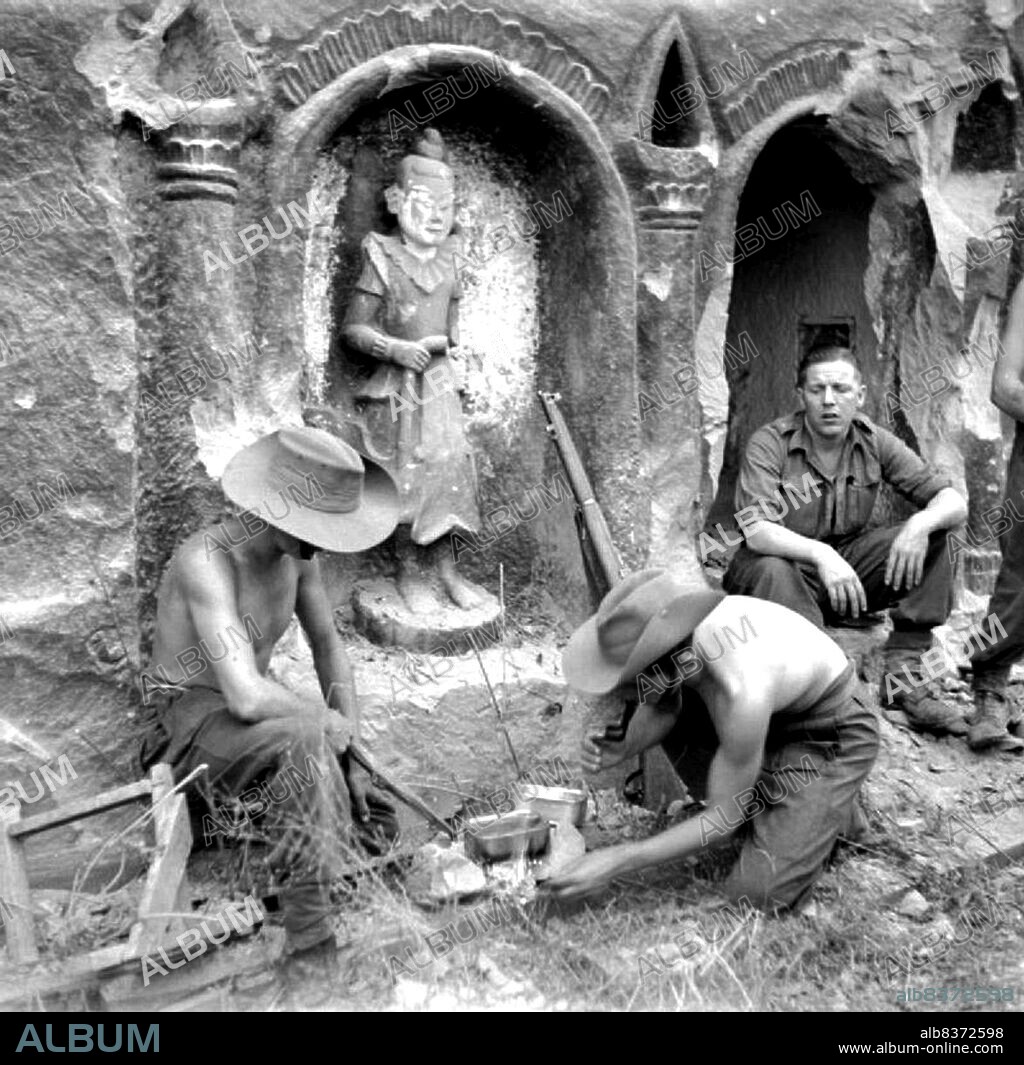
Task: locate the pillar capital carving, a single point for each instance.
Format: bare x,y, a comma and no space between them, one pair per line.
200,154
673,205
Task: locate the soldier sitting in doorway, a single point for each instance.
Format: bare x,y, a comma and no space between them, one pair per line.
820,559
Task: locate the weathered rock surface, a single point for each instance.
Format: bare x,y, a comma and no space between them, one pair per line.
106,294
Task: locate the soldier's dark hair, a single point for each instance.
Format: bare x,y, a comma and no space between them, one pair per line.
825,353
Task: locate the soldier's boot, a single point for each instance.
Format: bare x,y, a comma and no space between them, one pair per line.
926,707
988,725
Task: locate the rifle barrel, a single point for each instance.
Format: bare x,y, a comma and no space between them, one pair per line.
593,518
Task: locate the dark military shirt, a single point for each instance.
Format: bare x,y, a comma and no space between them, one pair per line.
780,480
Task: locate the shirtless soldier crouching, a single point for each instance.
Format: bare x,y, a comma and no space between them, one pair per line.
300,491
759,713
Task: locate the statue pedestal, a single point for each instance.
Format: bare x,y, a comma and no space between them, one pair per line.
382,615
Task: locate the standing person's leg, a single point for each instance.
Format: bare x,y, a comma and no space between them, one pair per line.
791,584
914,614
991,664
805,797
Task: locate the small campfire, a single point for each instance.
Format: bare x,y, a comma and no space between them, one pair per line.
503,853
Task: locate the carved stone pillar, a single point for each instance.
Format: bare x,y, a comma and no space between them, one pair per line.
198,188
670,187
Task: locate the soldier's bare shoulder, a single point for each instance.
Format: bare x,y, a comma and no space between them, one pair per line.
756,643
193,565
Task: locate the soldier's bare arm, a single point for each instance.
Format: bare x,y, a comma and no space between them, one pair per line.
333,668
209,588
741,717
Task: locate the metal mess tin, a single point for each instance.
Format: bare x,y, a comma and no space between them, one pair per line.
556,804
511,836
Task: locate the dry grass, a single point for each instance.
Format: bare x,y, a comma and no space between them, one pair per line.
829,958
623,951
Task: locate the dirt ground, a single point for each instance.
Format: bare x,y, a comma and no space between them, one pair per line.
931,897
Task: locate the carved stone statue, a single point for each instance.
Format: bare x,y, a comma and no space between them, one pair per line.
404,315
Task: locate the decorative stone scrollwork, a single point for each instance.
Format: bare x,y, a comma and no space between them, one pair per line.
815,68
357,40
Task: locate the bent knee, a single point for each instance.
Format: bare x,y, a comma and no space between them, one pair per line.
294,733
772,895
770,567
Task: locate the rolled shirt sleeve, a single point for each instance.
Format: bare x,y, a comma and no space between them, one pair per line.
906,471
760,475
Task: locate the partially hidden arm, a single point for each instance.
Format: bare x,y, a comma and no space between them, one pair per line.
337,682
1007,386
333,668
741,721
650,724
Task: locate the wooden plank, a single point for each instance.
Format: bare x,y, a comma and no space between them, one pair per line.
231,959
53,867
72,811
182,904
167,869
21,937
111,965
77,973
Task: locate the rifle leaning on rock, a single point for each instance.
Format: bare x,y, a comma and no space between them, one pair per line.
600,557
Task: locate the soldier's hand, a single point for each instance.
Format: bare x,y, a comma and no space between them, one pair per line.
410,355
905,564
840,580
339,731
588,874
358,781
599,753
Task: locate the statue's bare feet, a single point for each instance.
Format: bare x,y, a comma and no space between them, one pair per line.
416,591
463,593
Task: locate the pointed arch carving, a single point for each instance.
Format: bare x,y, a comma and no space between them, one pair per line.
656,60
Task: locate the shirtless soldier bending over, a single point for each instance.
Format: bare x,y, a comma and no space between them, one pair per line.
299,491
759,713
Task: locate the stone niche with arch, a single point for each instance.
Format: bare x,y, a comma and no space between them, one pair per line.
603,299
548,296
549,277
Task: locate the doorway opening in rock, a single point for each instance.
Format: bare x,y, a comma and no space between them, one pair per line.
801,252
984,134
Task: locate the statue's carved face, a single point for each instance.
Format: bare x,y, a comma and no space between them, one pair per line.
425,208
